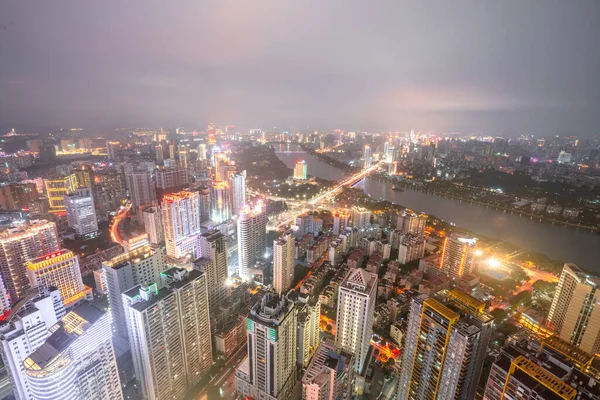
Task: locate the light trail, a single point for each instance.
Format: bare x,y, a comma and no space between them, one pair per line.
114,229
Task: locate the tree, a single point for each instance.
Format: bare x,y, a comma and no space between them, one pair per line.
498,314
523,297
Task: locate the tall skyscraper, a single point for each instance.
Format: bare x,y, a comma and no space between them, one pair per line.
181,219
367,157
141,187
457,255
167,178
361,217
356,305
213,262
202,151
18,245
238,191
153,224
204,194
300,170
445,347
25,330
169,331
329,375
141,266
59,269
81,213
220,202
77,360
309,318
341,219
284,249
85,177
268,372
575,313
251,232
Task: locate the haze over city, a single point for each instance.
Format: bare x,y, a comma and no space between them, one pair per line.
495,68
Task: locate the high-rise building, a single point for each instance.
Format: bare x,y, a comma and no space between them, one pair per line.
167,178
300,170
268,372
158,154
356,305
202,151
84,176
361,217
446,344
284,249
60,269
329,375
17,196
169,331
183,157
141,187
220,202
26,329
251,232
111,150
213,262
77,360
57,188
238,192
153,224
141,266
574,313
457,255
411,223
181,219
81,213
18,245
367,157
410,248
341,219
307,335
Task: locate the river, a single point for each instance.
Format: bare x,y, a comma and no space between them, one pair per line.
556,241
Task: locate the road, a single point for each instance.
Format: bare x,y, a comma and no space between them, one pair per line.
114,228
290,216
224,379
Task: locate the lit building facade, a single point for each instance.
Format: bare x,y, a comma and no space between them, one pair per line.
181,219
221,208
300,170
213,262
81,213
238,192
152,218
356,305
18,245
251,232
575,313
457,255
329,375
141,187
59,269
57,189
167,178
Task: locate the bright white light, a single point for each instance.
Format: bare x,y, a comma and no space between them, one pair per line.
492,262
478,252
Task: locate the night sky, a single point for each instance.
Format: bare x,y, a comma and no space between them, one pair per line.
489,67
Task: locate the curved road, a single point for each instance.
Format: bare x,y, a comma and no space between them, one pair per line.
116,222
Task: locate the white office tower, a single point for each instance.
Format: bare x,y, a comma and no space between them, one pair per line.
26,329
141,187
153,224
61,270
181,219
81,213
141,266
77,360
457,255
213,262
220,202
341,220
284,249
575,312
268,372
169,331
329,375
238,192
252,233
361,217
202,151
411,223
18,245
356,305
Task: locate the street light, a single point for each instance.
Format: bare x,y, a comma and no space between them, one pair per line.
492,262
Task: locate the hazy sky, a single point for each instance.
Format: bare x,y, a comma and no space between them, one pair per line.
495,67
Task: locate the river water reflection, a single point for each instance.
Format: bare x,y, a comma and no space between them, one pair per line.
559,242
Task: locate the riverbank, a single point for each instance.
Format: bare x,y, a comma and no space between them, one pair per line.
329,160
494,205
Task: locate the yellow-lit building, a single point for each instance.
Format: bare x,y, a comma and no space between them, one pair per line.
57,188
